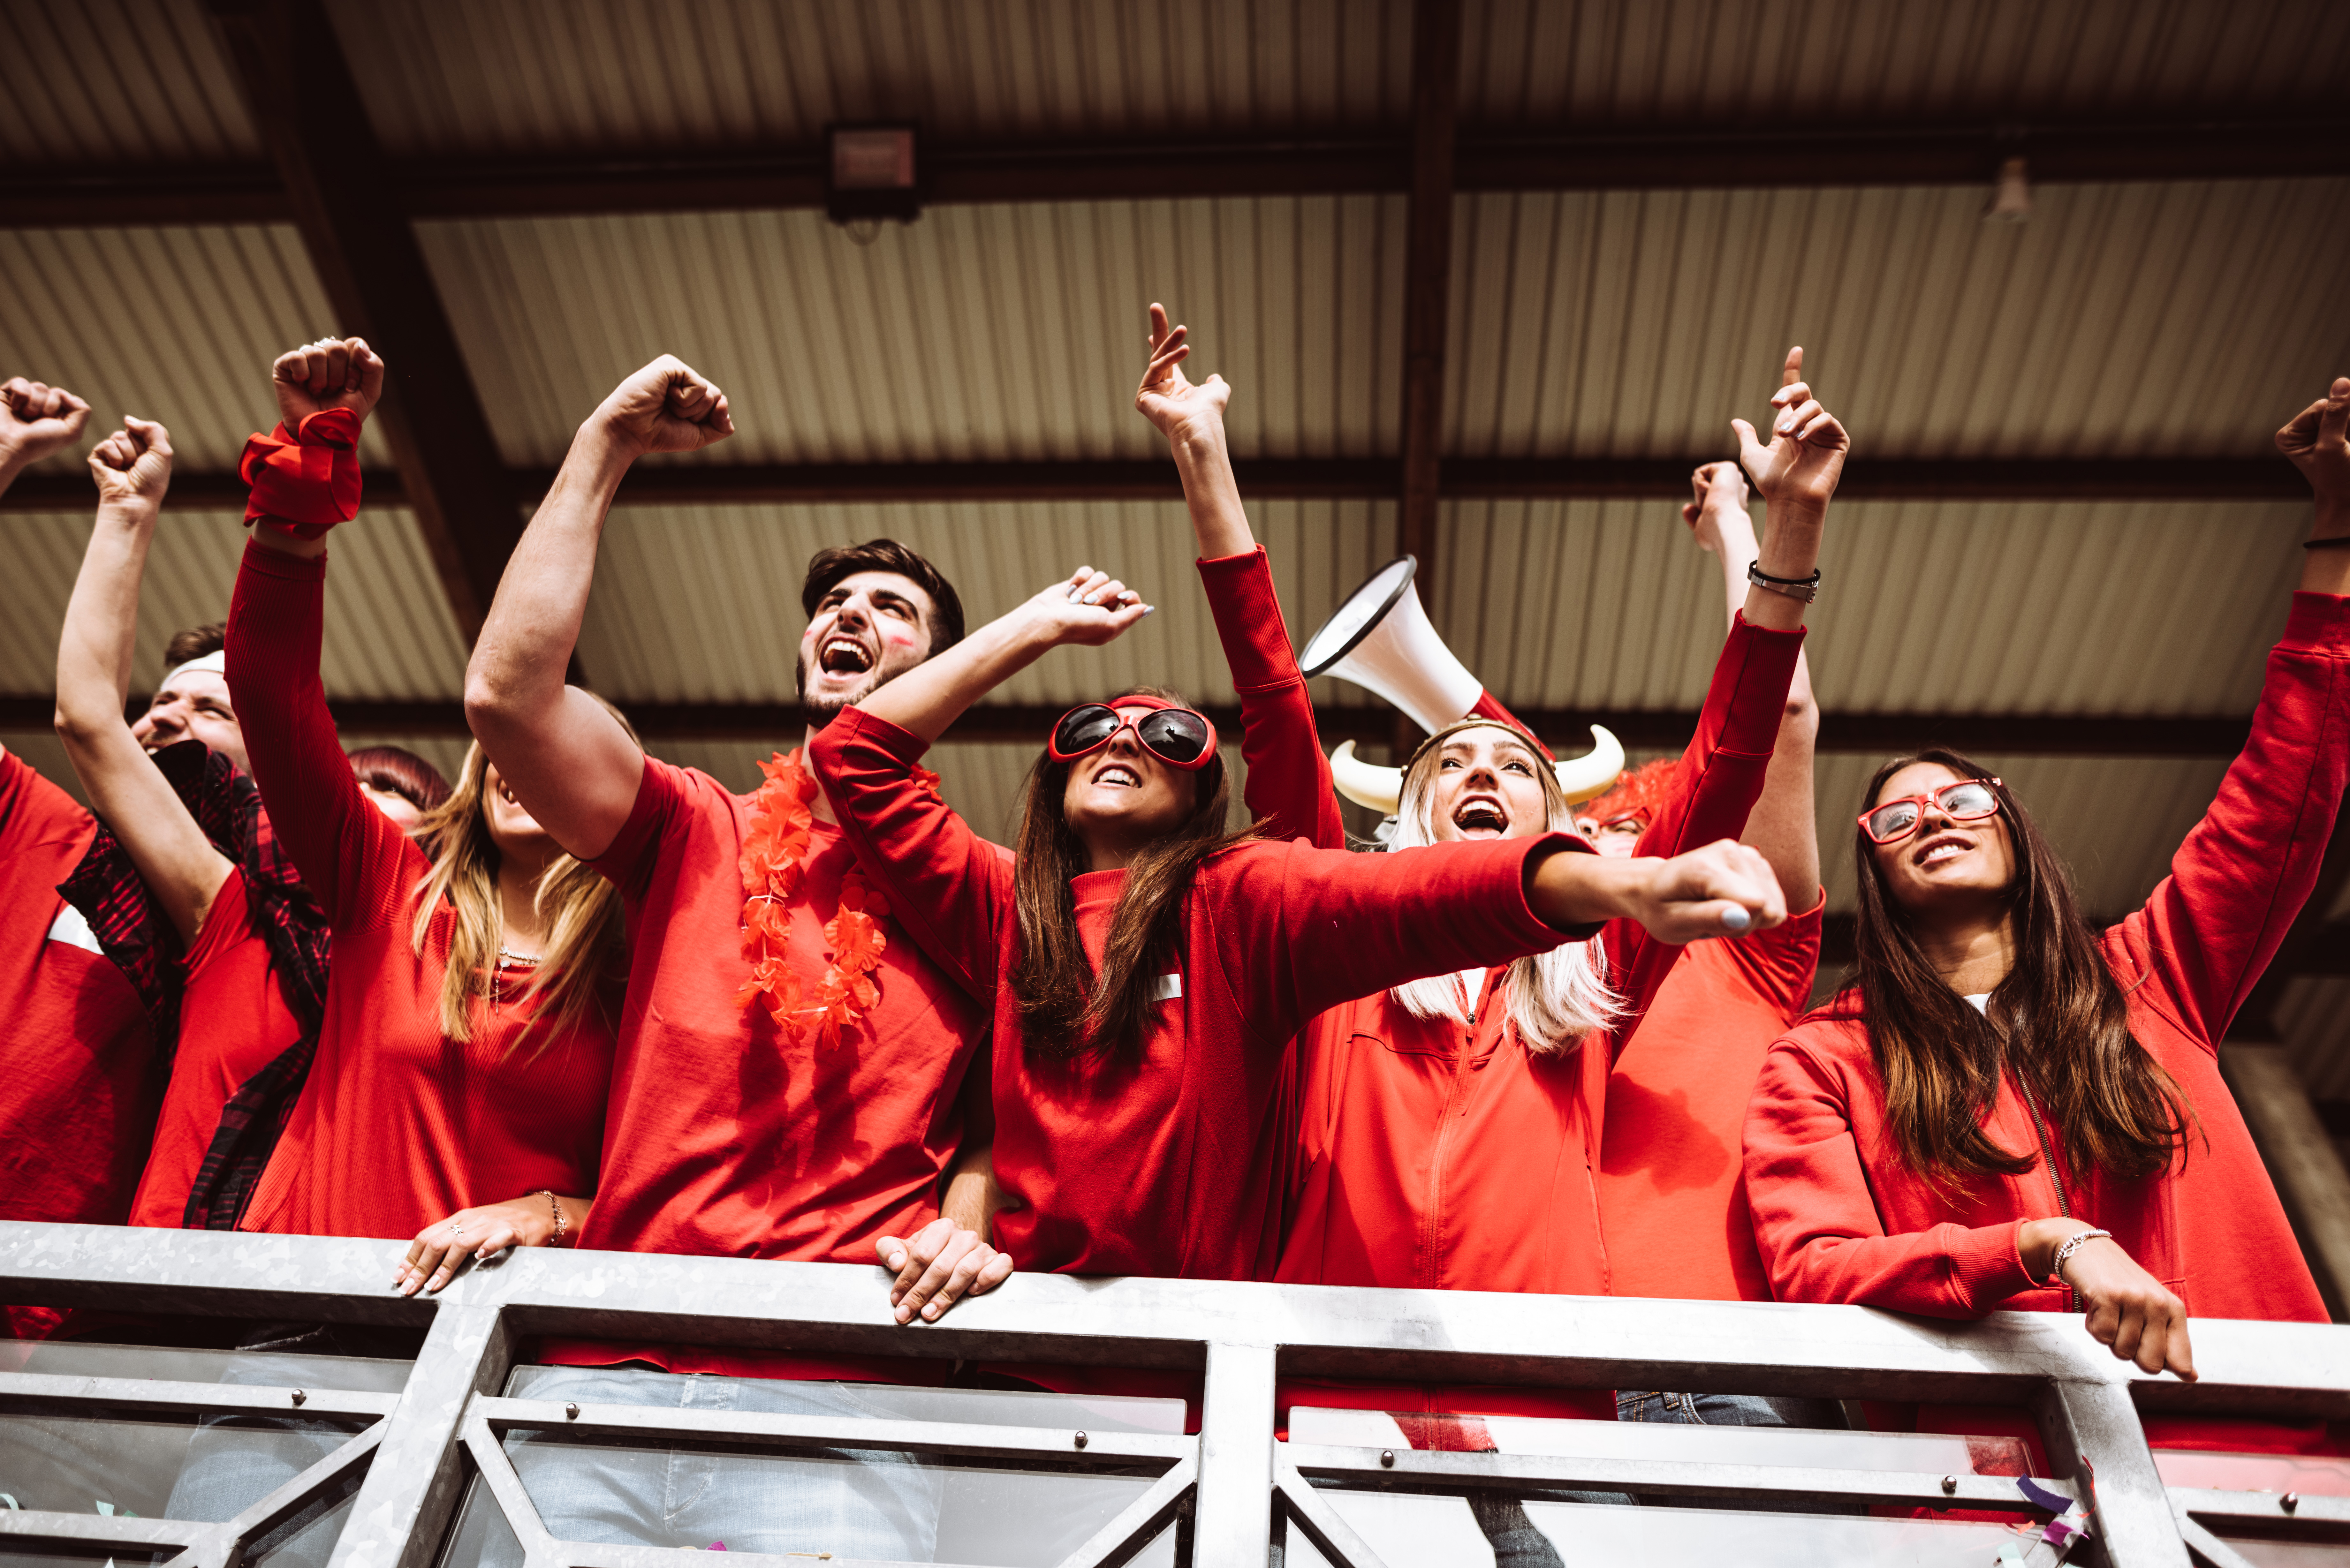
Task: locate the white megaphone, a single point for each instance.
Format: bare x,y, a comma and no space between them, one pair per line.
1380,639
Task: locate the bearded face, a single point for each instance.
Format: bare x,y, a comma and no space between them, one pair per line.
868,627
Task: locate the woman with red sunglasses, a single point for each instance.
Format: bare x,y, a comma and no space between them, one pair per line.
2011,1110
1147,968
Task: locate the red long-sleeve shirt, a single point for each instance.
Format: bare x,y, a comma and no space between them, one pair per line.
1442,1155
1287,784
1167,1168
1840,1216
398,1125
79,1087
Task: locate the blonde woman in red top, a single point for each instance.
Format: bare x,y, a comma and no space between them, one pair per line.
2013,1111
457,1099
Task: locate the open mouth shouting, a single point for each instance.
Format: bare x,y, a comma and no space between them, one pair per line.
1480,816
842,654
1117,776
1940,850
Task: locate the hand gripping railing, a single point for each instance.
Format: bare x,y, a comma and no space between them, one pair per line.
1239,1486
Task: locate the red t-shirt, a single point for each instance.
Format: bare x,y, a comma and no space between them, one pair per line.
726,1139
398,1125
234,1022
1672,1205
77,1092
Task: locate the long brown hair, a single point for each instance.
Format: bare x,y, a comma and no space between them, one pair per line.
1065,1010
2059,1021
582,910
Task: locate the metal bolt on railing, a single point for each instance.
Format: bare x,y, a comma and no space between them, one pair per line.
299,1396
2290,1501
1387,1458
1950,1485
571,1412
1081,1439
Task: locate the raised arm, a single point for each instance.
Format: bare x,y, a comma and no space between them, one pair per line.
1287,783
2211,926
1784,823
36,420
348,852
566,758
181,868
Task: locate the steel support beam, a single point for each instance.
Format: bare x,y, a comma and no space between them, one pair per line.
1649,158
1291,479
310,113
1428,286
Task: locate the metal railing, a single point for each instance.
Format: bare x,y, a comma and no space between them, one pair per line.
1233,1490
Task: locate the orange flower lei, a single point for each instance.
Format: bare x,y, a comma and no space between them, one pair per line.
774,862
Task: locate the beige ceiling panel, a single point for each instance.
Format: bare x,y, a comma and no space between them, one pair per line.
117,82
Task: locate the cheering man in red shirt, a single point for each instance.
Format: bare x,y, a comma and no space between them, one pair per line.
800,1100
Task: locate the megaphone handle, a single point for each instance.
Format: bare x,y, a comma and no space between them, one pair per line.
1487,706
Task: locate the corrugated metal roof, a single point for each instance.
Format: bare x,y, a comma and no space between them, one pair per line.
1965,607
2314,1020
177,325
980,332
612,75
388,631
117,82
1611,61
2119,321
702,604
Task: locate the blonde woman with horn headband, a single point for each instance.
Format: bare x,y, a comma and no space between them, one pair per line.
1449,1128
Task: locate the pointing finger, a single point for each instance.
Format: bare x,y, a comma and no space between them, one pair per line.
1793,373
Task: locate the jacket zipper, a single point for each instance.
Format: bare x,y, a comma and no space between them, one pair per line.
2055,1178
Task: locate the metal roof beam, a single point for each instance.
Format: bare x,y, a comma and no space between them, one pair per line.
308,110
1428,287
1275,478
1719,157
2214,735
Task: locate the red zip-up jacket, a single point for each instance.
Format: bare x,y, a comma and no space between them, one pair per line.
1444,1156
1167,1168
1840,1216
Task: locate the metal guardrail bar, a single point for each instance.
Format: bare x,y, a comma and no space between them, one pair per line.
1240,1335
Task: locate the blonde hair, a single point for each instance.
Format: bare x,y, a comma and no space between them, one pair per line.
1554,998
581,909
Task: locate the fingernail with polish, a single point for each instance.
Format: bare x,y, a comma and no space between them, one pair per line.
1737,920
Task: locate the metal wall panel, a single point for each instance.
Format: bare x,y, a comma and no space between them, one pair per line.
1966,607
1531,61
980,332
445,76
388,632
702,604
117,82
2119,321
2313,1018
179,325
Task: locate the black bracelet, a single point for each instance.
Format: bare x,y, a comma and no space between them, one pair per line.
1803,588
2339,541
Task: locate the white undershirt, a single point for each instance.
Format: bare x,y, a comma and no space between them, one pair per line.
1472,981
1982,1000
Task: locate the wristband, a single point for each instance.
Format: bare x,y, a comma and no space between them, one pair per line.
1803,588
2073,1244
308,481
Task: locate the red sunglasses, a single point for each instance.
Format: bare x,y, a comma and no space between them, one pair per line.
1176,736
1969,800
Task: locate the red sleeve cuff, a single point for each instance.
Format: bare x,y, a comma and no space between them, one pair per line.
2320,623
1987,1263
1247,612
1533,927
263,561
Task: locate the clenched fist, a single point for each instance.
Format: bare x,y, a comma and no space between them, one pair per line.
668,405
133,466
36,420
332,373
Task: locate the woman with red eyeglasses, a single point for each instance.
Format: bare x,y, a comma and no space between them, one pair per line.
1147,969
2009,1110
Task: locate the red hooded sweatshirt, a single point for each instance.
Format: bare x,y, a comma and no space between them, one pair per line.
1839,1215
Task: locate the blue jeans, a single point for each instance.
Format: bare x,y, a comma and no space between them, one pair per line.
850,1502
1736,1410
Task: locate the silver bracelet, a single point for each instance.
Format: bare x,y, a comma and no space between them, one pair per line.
1803,588
2072,1245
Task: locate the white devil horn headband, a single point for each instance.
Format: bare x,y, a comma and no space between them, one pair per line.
1583,778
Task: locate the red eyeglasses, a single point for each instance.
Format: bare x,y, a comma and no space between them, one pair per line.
1969,800
1176,736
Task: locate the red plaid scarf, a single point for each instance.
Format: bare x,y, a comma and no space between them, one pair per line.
137,936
